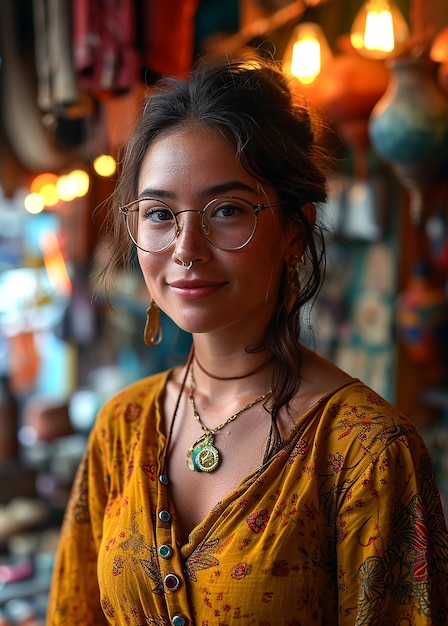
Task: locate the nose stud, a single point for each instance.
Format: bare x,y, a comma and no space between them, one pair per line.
187,266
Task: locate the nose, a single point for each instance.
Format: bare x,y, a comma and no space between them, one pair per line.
190,243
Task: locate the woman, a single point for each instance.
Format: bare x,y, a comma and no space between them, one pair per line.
258,483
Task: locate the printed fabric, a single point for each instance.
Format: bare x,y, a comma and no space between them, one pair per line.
344,526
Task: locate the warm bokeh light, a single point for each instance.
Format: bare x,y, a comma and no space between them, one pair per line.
308,50
53,189
46,178
66,188
81,181
105,165
379,30
49,194
306,53
34,203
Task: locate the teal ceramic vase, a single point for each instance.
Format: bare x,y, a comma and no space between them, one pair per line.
408,127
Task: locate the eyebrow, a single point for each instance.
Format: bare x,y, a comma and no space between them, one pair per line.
214,190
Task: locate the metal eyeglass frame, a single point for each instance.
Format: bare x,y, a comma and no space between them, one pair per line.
257,208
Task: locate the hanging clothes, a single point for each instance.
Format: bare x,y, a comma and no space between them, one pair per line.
56,81
105,51
168,35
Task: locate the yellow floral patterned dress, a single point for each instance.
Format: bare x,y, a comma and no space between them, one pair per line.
344,526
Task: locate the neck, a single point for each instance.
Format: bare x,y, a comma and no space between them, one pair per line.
231,375
248,374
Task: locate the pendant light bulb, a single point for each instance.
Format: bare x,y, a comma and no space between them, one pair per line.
379,30
306,53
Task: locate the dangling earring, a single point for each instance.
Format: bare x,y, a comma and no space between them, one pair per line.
152,334
292,282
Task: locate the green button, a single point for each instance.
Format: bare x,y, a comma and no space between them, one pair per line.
165,551
178,620
164,516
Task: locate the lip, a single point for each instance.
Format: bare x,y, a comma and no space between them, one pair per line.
195,289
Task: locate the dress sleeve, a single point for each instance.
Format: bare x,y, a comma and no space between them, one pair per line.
74,596
391,542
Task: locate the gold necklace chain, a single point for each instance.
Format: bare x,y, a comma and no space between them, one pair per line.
203,456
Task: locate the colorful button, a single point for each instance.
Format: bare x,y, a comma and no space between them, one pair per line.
165,551
163,479
164,516
178,620
171,582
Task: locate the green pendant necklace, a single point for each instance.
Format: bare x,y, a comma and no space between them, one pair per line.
202,455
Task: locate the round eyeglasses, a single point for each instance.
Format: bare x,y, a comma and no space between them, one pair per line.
227,223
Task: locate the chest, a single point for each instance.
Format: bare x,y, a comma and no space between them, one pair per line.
259,553
239,448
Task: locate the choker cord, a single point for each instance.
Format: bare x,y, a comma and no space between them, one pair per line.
251,373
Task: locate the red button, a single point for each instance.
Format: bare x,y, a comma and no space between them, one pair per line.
171,582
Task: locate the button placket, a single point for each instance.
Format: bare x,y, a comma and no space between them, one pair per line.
169,560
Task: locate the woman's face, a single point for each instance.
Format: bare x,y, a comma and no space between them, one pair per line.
224,291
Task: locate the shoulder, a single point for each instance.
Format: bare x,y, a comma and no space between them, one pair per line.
133,401
354,400
356,419
342,400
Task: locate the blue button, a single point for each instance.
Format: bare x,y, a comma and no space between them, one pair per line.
164,516
163,479
165,551
178,620
172,582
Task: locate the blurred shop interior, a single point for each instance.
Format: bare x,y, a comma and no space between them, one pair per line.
73,77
